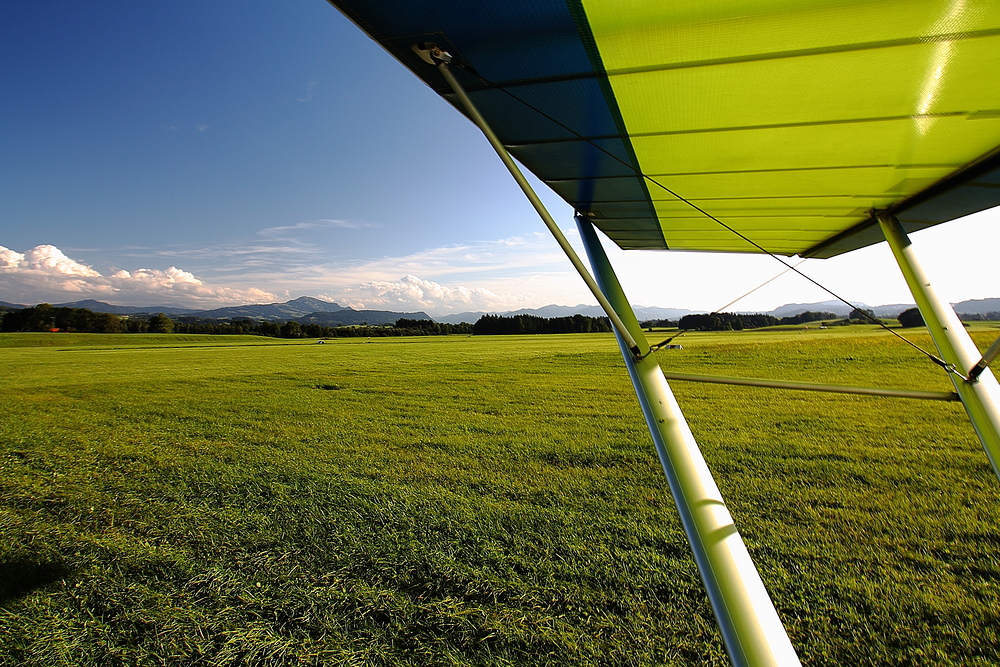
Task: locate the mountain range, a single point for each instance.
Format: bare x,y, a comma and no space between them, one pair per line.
307,309
645,313
304,309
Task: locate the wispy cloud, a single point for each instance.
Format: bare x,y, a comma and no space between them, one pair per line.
492,275
288,259
313,225
308,97
279,248
532,251
180,129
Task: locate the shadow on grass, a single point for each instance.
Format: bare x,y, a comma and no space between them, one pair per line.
19,576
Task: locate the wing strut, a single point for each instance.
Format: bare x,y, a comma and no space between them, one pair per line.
977,389
442,59
751,630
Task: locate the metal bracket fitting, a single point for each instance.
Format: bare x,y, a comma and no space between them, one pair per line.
431,53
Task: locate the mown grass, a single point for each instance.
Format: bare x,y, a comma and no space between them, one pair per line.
474,501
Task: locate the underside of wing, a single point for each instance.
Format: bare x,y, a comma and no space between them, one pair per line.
755,126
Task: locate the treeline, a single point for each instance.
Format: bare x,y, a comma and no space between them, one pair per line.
488,325
660,324
45,317
738,322
992,316
294,329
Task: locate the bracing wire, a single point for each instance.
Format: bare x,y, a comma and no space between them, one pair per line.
788,267
766,282
719,310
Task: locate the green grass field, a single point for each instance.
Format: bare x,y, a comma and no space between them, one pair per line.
191,500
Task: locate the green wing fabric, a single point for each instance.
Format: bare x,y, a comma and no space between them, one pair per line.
788,121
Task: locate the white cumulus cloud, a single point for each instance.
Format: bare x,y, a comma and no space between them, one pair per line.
44,259
413,293
45,273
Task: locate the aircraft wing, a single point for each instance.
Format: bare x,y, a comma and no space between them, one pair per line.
788,121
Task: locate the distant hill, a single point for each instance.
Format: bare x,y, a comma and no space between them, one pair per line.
656,313
892,310
289,310
970,307
643,313
306,309
981,306
835,307
349,317
458,318
839,308
101,307
553,310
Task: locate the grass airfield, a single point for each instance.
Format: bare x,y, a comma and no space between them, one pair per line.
224,500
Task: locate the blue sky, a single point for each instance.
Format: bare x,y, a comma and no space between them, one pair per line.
210,152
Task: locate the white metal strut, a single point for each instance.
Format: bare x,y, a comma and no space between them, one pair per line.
751,630
981,394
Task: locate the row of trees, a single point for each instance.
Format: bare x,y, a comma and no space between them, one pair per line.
992,316
659,324
731,321
533,324
293,329
45,317
738,322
